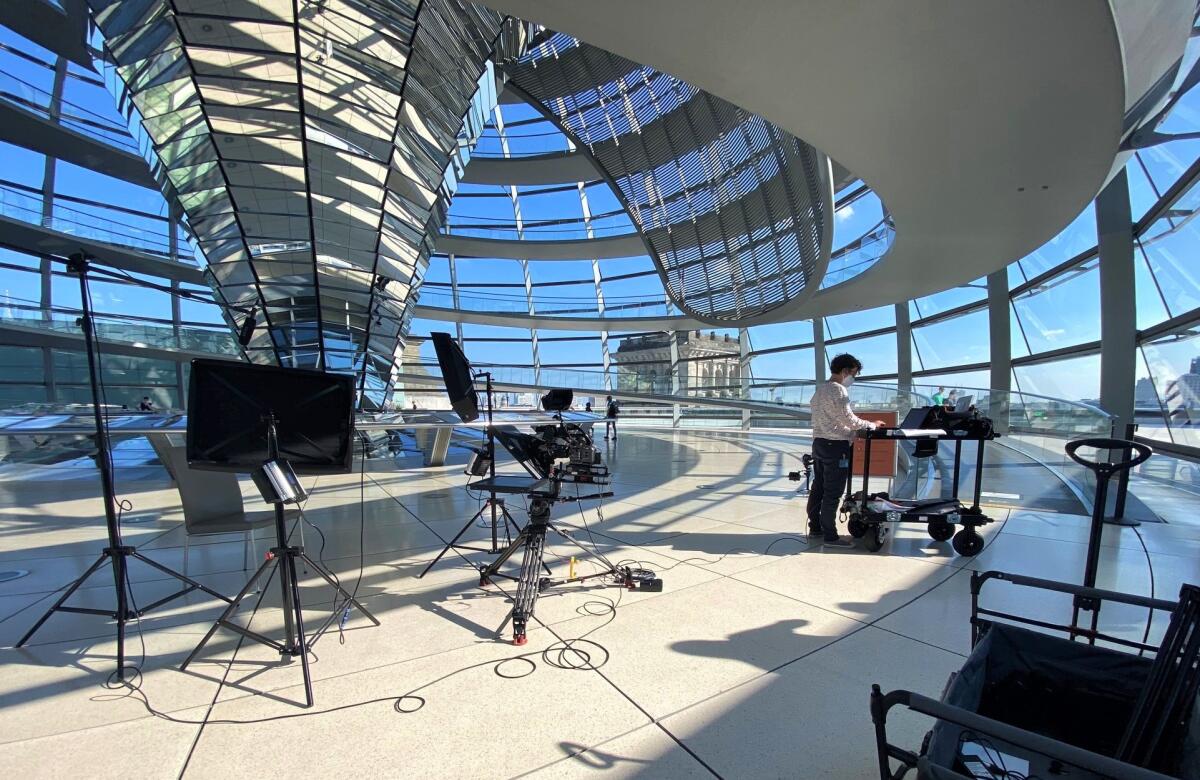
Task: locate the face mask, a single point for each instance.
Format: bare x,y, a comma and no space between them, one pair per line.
847,380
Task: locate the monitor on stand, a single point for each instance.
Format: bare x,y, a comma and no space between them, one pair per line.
272,422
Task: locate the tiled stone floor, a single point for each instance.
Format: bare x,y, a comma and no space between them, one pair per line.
755,661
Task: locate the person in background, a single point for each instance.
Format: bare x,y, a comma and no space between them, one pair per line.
951,399
146,404
939,398
611,410
587,407
834,428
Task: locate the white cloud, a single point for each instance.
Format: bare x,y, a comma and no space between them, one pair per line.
845,212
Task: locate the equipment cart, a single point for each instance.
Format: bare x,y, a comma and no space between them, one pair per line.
1031,704
869,512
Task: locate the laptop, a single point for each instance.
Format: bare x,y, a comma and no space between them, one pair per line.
913,424
964,404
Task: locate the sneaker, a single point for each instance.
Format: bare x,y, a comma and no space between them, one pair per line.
839,543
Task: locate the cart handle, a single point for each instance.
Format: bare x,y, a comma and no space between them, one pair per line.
1105,766
1143,454
978,578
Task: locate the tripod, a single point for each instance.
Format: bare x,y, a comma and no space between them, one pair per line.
532,540
117,553
496,506
283,558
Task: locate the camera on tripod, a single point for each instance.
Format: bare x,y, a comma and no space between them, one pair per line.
566,449
806,460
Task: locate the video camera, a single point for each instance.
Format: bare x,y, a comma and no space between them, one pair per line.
565,449
559,452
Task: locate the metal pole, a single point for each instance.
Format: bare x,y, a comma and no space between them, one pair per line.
293,643
1118,517
491,445
1096,531
78,263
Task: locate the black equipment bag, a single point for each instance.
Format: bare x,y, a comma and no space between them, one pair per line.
1070,691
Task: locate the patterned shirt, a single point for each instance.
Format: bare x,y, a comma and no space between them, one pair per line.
831,414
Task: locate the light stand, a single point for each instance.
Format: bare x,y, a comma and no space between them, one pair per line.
496,505
283,558
117,553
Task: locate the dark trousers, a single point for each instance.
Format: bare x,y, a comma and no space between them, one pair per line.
610,427
831,469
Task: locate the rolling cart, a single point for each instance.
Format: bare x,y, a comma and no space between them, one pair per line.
1030,704
869,512
1038,704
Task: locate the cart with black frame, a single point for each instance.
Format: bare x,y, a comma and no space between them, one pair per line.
940,515
1032,704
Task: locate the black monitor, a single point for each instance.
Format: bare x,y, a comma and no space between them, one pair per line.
229,402
456,374
524,448
917,417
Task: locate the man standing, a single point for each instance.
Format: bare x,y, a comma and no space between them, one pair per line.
834,426
611,410
939,398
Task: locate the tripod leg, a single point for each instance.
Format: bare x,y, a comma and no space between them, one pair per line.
451,543
528,585
229,610
495,565
63,599
178,576
593,552
339,590
301,639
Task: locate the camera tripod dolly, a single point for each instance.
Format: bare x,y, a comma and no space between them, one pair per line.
530,583
806,460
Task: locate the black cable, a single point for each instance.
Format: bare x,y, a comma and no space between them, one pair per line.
576,654
554,656
1149,610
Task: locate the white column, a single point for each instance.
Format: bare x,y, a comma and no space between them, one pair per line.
676,384
820,364
1118,323
597,279
744,373
514,195
904,376
458,328
1000,354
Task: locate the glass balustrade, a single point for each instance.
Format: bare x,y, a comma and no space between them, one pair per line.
858,256
88,220
124,331
547,305
24,95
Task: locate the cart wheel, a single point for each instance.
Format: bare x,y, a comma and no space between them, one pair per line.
967,543
940,530
856,526
873,538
